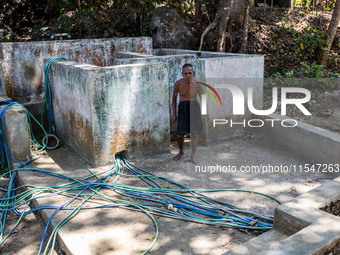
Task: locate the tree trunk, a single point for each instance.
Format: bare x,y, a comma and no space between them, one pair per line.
331,31
237,11
78,4
208,28
198,8
223,13
245,32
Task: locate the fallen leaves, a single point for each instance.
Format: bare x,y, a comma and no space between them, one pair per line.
150,237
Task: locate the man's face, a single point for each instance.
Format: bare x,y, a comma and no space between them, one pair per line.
188,74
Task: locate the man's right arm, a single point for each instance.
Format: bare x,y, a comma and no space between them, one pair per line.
174,103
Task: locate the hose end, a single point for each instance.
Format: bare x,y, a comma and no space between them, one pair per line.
123,153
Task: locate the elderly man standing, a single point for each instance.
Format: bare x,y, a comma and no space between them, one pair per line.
189,112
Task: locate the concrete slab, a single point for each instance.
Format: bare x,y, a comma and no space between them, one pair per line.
17,134
314,144
310,230
259,244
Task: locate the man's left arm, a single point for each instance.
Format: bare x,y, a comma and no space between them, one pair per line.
199,89
200,92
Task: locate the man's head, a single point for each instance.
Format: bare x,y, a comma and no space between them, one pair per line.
188,72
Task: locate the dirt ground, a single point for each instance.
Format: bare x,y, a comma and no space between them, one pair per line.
179,237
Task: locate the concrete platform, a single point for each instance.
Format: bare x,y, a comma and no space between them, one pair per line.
300,227
119,231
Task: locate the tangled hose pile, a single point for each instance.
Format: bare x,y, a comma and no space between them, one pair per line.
180,203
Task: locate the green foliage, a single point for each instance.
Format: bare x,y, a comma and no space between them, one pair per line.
148,7
312,71
86,10
325,5
308,45
284,24
61,6
213,35
120,4
3,168
38,25
334,59
63,23
306,71
277,75
146,20
289,74
310,76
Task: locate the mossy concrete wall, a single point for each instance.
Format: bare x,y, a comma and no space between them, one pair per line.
15,127
243,71
175,63
23,66
99,111
2,79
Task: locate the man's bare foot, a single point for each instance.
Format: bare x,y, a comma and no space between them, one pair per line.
178,156
194,161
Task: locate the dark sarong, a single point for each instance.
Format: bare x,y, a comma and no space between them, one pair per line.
189,118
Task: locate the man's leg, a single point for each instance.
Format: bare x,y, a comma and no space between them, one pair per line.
194,142
180,140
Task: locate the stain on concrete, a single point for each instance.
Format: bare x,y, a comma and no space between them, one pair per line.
114,108
24,61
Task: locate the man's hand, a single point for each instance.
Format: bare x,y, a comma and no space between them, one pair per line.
173,118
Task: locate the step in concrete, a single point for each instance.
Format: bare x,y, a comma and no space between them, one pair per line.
309,229
259,243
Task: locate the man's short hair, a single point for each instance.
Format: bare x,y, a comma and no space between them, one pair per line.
187,65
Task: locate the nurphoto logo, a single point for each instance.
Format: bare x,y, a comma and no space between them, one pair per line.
239,102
